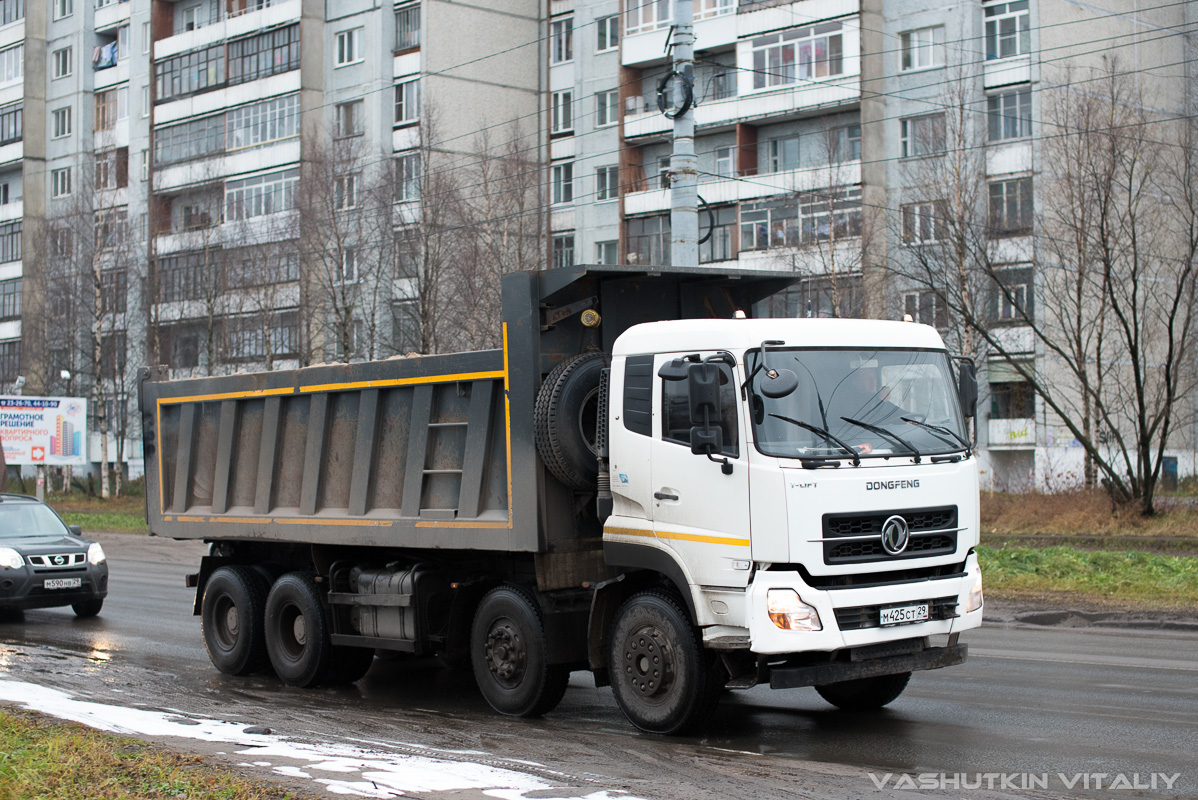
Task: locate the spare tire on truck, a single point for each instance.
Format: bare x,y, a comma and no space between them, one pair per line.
565,420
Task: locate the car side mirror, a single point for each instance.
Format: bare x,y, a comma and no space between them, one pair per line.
75,529
783,382
967,388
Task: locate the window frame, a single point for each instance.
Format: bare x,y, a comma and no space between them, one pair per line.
407,96
60,55
993,15
563,183
998,118
914,135
348,48
607,36
607,184
561,41
912,46
777,57
561,115
55,132
607,108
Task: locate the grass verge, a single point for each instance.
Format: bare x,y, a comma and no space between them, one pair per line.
1130,579
44,758
116,514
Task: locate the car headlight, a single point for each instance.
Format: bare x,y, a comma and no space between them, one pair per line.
789,612
10,559
975,596
95,554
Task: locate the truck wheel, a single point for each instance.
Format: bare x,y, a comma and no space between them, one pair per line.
350,664
565,420
231,618
509,655
864,694
297,633
663,679
88,608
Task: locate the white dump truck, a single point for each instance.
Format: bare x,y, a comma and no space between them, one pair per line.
641,483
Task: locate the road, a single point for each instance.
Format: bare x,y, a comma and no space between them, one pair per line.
1032,700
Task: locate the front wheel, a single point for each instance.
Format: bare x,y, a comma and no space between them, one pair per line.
297,632
864,694
663,679
88,608
509,655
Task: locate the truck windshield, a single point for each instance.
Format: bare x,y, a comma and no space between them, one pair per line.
879,403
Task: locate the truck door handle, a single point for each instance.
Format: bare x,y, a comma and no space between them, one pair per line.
664,496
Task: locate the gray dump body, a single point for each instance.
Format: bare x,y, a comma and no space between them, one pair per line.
429,452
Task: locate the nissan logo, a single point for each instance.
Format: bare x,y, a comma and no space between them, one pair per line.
895,535
60,560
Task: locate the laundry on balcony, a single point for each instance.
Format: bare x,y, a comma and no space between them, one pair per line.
104,56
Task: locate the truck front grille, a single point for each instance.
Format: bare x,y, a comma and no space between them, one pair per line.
855,618
933,532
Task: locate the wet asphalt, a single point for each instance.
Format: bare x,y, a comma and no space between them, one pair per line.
1036,700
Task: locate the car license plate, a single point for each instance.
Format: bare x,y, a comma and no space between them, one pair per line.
63,583
899,615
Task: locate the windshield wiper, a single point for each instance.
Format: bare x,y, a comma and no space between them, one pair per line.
821,432
940,429
883,432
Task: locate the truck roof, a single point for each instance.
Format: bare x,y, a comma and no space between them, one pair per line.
739,335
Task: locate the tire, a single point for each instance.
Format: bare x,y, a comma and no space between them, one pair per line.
565,420
297,631
509,655
88,608
232,616
663,679
350,664
864,694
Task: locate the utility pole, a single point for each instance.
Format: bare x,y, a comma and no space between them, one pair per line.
684,165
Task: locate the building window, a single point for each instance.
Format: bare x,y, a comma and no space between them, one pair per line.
145,38
407,102
768,224
649,240
345,191
713,8
647,16
562,117
260,195
347,267
1013,302
10,299
663,172
723,84
191,18
110,227
10,242
561,41
194,139
256,124
106,110
1007,30
607,252
607,183
922,136
926,308
349,119
61,123
4,198
1010,114
830,214
62,8
563,183
122,102
349,47
145,165
12,64
838,296
407,27
64,62
10,360
145,101
407,177
846,143
114,291
122,42
608,34
800,54
189,73
784,154
60,182
1012,400
1011,207
924,222
607,106
720,244
725,162
112,169
12,123
922,48
262,55
563,250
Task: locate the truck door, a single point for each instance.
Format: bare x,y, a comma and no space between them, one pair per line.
699,512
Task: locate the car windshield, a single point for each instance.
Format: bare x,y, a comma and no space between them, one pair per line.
29,521
879,403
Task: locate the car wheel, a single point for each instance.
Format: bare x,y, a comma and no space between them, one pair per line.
864,694
88,608
232,616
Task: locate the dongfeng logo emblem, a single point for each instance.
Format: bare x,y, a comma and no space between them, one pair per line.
895,535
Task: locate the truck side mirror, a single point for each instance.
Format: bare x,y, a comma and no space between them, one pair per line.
967,388
781,384
703,390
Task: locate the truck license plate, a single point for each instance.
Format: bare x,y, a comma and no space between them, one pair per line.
903,614
63,583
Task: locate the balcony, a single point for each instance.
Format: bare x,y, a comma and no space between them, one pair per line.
197,173
1012,434
230,28
112,16
721,191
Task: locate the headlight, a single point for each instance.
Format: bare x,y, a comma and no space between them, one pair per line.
789,612
10,559
975,596
95,554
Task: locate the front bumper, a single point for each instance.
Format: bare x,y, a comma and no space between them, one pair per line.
25,589
835,672
852,627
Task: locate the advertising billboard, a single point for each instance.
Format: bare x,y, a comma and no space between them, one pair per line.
50,431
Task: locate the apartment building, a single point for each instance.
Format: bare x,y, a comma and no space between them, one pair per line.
821,132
